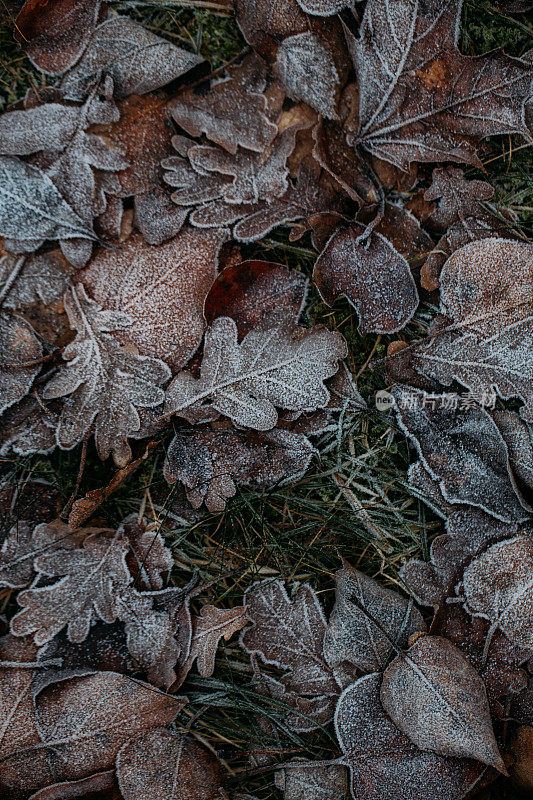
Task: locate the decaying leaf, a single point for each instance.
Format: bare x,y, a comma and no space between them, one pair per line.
420,98
209,627
136,59
161,764
384,763
18,728
82,724
161,289
20,354
29,279
518,437
498,585
275,365
463,450
305,781
150,560
28,427
365,619
94,787
486,290
374,277
55,33
439,701
105,382
458,199
211,463
16,562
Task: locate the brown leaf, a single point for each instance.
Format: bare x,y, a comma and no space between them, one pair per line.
420,98
498,586
208,629
518,437
161,289
211,463
157,217
439,701
305,781
25,280
334,154
275,365
90,788
384,763
522,749
20,354
364,620
83,723
28,427
463,450
161,764
54,33
150,560
18,727
374,278
16,556
458,199
252,290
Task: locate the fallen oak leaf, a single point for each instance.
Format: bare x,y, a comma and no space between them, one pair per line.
458,199
18,726
209,627
16,562
276,364
303,780
150,560
137,60
438,700
162,291
28,427
211,463
161,763
54,33
40,277
20,359
106,382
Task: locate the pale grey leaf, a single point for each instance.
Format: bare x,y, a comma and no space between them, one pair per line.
306,69
20,354
518,437
16,556
41,277
306,781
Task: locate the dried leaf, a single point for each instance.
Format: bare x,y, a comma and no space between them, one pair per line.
28,427
498,585
16,562
151,559
30,279
164,764
211,463
518,437
208,629
157,217
374,277
18,728
420,98
339,160
305,781
83,723
384,763
458,199
106,382
276,364
86,788
136,59
463,450
306,69
522,749
55,33
162,291
251,291
20,354
486,289
364,620
324,8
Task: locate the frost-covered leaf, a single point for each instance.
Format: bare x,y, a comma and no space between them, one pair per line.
151,560
162,764
105,382
229,113
28,427
209,627
89,576
211,463
458,199
307,71
32,209
498,585
289,634
324,8
487,291
364,620
41,277
83,723
275,365
18,727
518,437
16,556
136,59
20,354
100,785
373,276
162,291
335,155
463,450
439,701
306,781
252,290
54,34
384,763
420,98
157,217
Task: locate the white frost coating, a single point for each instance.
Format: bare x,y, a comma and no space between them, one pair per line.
324,8
307,72
19,347
275,365
42,277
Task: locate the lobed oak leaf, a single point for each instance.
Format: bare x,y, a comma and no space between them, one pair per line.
157,217
365,619
83,722
162,291
420,98
208,628
463,450
275,365
161,763
498,586
16,556
211,463
150,559
54,33
20,359
28,427
384,763
303,780
24,280
458,199
106,382
374,278
438,700
137,60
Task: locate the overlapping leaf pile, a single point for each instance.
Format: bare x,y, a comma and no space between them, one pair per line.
126,309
